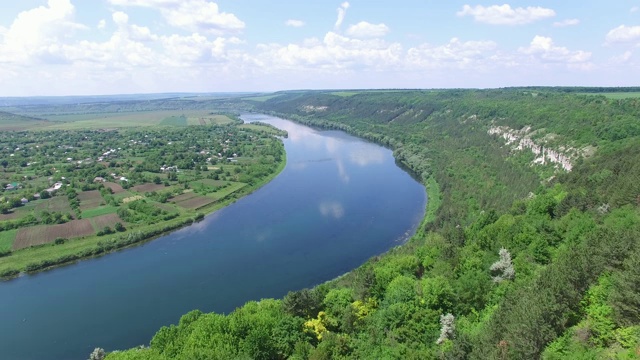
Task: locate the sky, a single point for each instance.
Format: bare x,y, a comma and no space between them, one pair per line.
96,47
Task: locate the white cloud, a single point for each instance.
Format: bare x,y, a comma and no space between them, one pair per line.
455,54
621,59
543,49
193,15
364,29
294,23
567,22
623,34
35,33
505,14
634,9
102,24
333,52
342,12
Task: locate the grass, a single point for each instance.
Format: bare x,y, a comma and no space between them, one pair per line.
102,210
265,129
617,95
434,199
118,119
223,193
260,98
7,238
209,182
175,121
345,93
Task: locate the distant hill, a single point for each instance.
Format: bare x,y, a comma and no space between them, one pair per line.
11,121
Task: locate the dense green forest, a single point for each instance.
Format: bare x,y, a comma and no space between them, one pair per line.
521,259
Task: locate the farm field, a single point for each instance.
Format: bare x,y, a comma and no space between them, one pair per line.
121,120
42,234
99,222
82,208
6,239
98,211
89,199
195,202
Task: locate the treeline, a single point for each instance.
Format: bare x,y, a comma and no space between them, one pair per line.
516,265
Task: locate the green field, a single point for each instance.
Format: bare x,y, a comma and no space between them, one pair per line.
102,210
132,119
616,95
345,93
223,193
174,121
6,239
260,98
266,129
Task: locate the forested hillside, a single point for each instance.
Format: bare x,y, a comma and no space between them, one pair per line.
529,249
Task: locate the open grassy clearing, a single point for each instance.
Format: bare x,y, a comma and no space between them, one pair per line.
58,203
266,129
98,211
130,119
617,95
14,122
209,183
6,239
174,120
260,98
223,193
345,93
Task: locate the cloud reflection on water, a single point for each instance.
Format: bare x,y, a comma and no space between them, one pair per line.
332,209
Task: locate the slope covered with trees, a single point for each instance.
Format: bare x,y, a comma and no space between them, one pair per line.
522,259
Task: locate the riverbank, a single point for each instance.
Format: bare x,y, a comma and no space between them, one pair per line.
48,256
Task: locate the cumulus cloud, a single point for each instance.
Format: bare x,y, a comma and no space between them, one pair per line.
294,23
623,34
364,29
35,33
333,52
543,48
193,15
567,22
455,54
505,14
102,24
342,12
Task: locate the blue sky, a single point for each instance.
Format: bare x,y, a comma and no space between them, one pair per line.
73,47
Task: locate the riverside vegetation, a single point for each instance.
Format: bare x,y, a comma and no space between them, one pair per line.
517,258
72,194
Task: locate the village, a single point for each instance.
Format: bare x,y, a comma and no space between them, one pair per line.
82,184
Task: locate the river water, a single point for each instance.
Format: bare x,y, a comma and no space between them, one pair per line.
339,201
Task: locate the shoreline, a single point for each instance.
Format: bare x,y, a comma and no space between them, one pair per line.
77,250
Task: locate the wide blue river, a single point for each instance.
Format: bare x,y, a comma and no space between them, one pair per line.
339,201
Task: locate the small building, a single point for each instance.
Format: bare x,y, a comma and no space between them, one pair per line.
24,201
99,179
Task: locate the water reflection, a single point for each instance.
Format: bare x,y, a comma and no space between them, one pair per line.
339,201
332,209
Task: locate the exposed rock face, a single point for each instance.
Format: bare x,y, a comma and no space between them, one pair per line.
522,140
